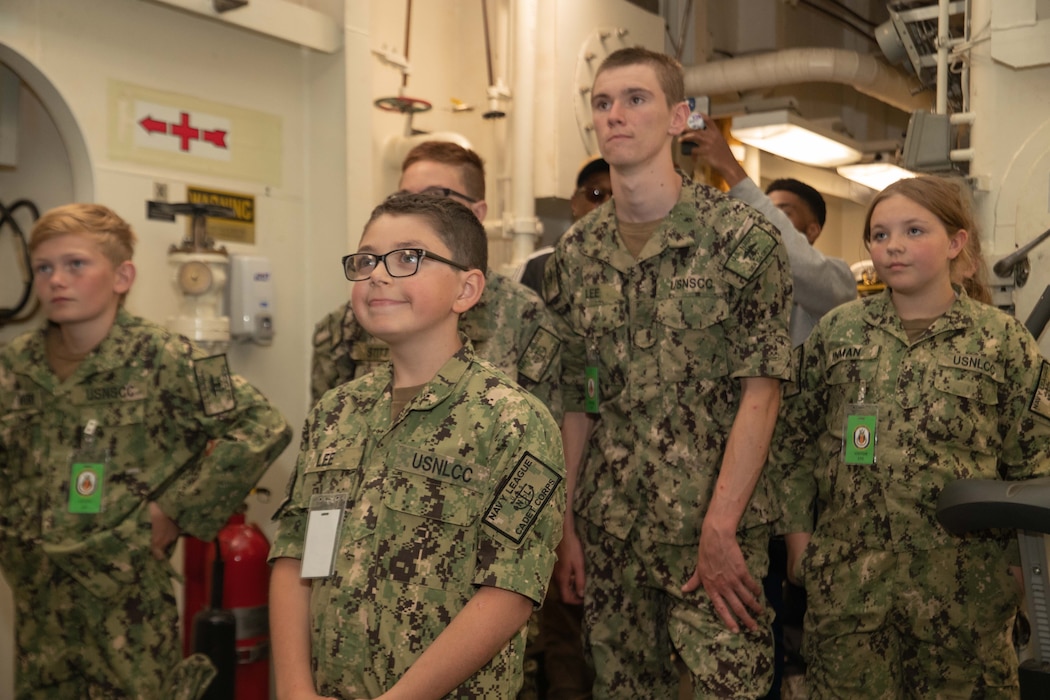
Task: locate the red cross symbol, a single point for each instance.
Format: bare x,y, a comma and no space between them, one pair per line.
184,131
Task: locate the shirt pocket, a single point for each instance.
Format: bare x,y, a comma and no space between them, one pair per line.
427,535
335,470
850,379
601,324
599,320
963,407
691,337
123,435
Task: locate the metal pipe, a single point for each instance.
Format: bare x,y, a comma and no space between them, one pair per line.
1005,266
942,56
408,35
863,72
488,43
523,222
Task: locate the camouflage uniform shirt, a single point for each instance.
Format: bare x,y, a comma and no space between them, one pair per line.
509,327
463,489
706,303
177,428
968,400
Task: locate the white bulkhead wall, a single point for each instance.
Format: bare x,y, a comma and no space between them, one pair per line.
1011,136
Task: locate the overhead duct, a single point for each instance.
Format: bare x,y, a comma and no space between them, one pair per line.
866,74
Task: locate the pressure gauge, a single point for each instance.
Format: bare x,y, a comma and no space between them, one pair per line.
195,277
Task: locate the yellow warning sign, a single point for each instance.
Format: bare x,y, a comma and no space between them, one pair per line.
239,230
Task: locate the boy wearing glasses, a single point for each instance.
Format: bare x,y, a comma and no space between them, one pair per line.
420,527
509,326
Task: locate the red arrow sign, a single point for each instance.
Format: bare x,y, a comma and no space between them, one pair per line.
216,137
184,131
151,125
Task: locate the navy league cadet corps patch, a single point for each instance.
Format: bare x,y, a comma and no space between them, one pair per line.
214,384
521,498
1040,404
751,252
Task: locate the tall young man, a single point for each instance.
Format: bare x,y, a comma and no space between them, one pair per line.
673,304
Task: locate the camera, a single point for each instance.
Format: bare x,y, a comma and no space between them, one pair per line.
695,121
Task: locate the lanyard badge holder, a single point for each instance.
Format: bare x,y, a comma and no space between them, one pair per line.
591,397
861,432
322,534
87,473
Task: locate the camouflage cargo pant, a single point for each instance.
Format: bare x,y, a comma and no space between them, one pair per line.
637,621
73,645
923,624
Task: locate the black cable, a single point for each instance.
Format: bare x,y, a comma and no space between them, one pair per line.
7,217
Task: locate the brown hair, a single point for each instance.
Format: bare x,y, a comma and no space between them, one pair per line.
111,234
970,270
454,223
668,70
471,167
950,202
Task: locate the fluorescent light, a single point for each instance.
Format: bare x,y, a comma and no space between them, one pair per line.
784,133
877,176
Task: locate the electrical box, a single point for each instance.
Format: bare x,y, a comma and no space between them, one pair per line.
251,299
927,144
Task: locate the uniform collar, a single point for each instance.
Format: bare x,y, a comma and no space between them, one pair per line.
437,389
880,313
677,230
112,353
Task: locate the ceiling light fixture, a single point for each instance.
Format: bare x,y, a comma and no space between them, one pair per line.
877,175
786,134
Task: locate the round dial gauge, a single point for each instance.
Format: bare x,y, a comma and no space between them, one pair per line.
195,277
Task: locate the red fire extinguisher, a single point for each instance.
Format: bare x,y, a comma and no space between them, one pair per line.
245,594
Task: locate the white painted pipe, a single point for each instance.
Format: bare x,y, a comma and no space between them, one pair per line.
865,73
942,56
524,224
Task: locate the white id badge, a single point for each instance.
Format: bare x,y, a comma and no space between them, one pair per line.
322,534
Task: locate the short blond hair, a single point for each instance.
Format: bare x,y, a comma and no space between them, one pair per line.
110,233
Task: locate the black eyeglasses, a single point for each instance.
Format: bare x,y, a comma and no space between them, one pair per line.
439,192
403,262
595,195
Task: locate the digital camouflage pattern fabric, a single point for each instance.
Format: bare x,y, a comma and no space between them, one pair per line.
669,335
509,327
706,304
635,629
968,399
463,489
94,609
